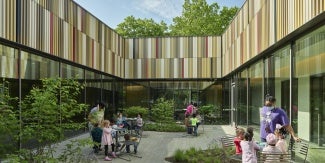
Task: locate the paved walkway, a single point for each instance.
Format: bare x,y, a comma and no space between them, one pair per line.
155,146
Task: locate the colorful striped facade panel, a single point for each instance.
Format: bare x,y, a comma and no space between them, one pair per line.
290,15
173,47
171,68
268,22
65,30
8,20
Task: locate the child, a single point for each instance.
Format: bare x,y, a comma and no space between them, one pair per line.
281,144
271,148
249,148
131,141
96,134
194,121
139,124
250,130
239,136
188,125
107,139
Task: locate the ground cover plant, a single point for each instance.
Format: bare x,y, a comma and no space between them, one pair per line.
193,155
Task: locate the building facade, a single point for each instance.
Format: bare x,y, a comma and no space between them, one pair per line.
271,47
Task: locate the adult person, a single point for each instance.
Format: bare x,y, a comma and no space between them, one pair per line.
189,109
96,115
271,116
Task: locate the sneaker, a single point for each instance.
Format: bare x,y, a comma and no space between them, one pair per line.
113,155
107,159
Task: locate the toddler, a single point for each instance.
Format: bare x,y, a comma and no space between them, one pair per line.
271,148
107,139
239,136
249,148
281,144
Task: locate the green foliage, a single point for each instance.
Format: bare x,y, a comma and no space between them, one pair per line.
194,155
163,110
47,112
206,109
179,156
199,18
73,151
164,127
8,120
133,28
133,111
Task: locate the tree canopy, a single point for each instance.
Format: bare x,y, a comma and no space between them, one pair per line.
132,28
198,18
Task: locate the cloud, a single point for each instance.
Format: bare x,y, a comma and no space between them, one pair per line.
166,9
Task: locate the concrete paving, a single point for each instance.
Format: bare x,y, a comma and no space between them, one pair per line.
155,146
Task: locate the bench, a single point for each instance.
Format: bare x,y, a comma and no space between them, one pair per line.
273,157
298,150
227,143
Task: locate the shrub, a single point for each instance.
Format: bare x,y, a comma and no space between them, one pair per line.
163,111
8,121
164,127
180,156
133,111
47,113
214,155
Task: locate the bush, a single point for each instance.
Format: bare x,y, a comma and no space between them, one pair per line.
179,156
163,111
214,155
47,113
164,127
133,111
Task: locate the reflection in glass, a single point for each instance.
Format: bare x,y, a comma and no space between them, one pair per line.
256,94
242,98
37,67
8,62
309,74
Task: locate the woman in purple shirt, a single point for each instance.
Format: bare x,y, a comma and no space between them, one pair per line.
270,116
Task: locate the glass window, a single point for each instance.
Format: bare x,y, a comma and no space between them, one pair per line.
37,67
93,87
309,73
256,95
277,77
8,62
242,98
69,71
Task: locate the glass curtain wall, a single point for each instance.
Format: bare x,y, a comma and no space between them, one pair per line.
93,88
226,106
242,98
277,77
182,92
256,93
309,73
108,94
137,94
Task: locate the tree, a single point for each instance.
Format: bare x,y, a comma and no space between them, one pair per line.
8,121
47,114
133,28
199,18
163,110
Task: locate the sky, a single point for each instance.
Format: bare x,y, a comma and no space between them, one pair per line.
113,12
